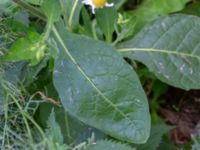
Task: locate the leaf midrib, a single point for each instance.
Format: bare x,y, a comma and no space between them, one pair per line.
87,78
122,50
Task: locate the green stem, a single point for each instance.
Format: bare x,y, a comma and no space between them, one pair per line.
72,13
30,8
48,30
109,38
94,30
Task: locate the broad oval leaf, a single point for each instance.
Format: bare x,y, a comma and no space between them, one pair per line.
99,88
170,48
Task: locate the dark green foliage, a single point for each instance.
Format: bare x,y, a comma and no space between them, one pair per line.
61,90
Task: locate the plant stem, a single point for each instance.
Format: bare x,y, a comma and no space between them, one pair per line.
30,8
94,30
109,38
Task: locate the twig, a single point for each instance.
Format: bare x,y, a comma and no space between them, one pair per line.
48,99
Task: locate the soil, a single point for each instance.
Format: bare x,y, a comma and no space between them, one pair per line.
181,109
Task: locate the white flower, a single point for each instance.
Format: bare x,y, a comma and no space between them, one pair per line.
97,4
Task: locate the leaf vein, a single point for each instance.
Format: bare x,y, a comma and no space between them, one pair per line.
159,51
87,78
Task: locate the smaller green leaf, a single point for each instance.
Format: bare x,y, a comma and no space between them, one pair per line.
54,133
118,3
29,48
125,27
109,145
150,10
86,21
157,131
74,131
52,10
71,12
166,143
192,9
54,130
106,19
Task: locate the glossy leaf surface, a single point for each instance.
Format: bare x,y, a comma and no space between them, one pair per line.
97,86
170,48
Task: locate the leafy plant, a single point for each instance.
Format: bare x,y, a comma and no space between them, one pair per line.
68,53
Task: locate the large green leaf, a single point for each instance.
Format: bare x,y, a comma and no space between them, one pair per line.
170,48
98,87
152,9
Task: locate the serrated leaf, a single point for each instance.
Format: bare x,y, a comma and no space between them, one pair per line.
109,145
170,48
74,131
54,134
54,130
98,87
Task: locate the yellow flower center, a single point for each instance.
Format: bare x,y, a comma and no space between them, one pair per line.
99,3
